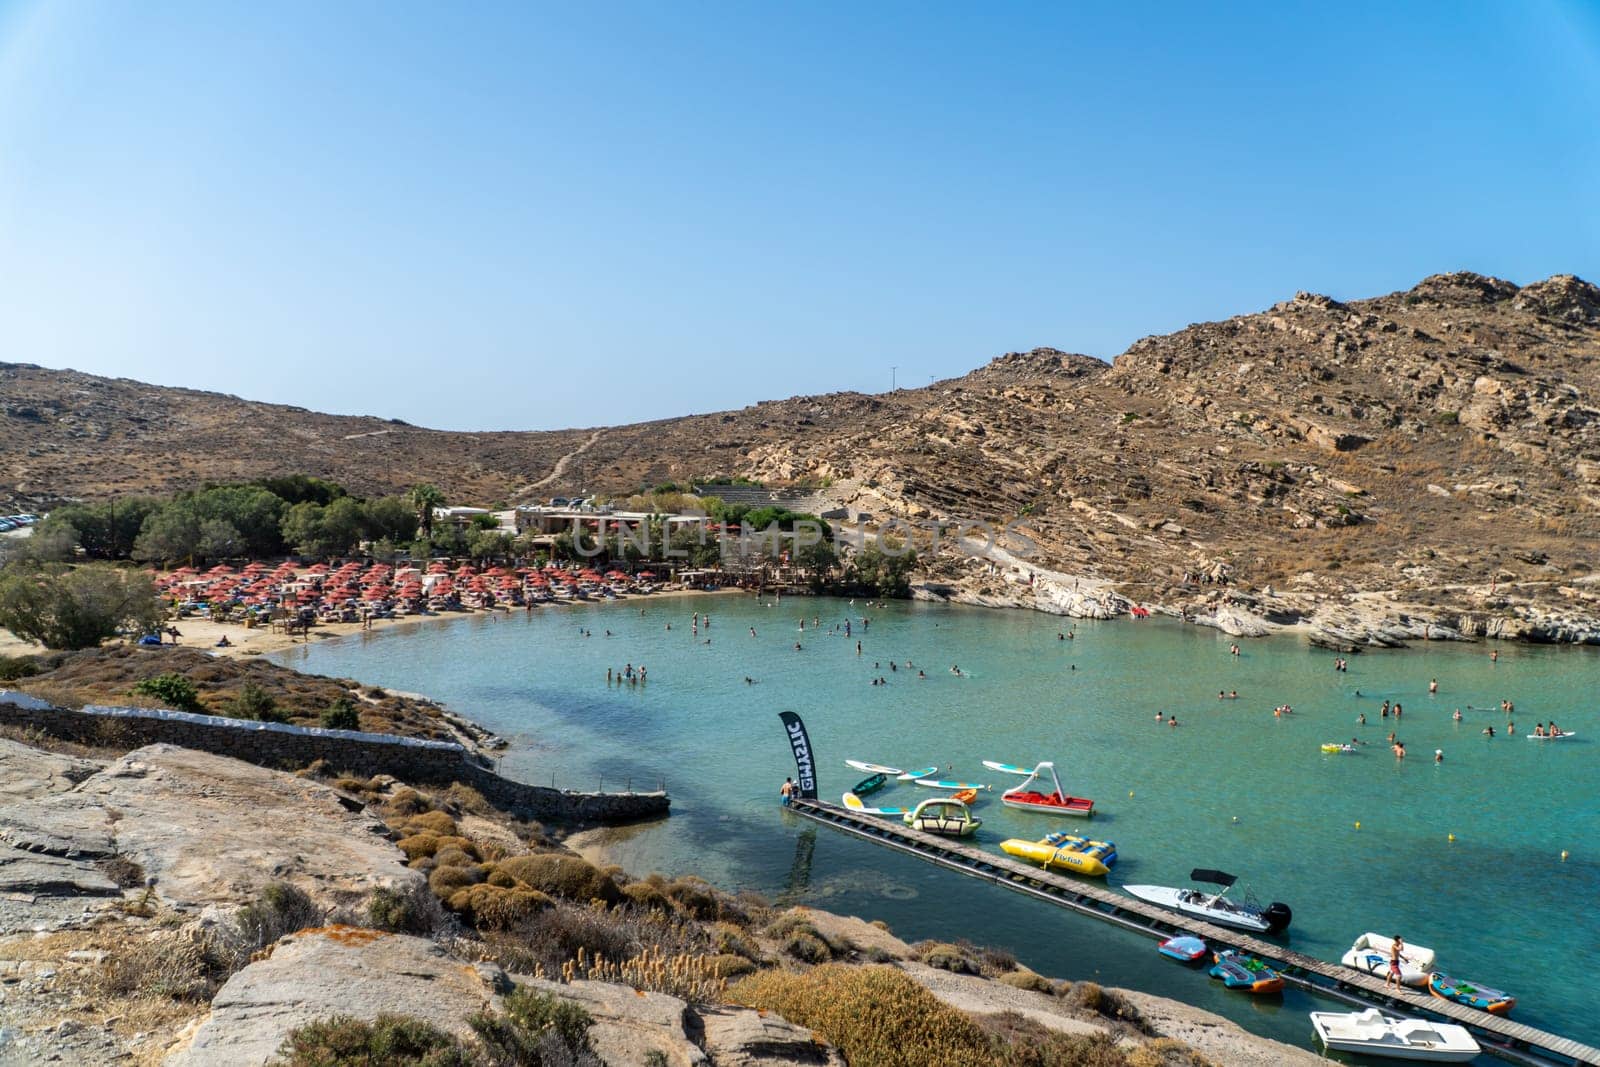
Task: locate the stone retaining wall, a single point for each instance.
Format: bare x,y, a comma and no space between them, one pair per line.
288,747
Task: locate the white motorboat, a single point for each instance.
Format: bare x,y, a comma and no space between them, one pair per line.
1370,953
1216,907
1372,1033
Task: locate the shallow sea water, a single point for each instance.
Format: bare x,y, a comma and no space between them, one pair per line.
1232,787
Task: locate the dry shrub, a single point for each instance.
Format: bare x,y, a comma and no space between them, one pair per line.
727,938
695,897
692,978
166,965
1167,1052
1109,1003
463,797
1023,1042
408,802
124,871
874,1015
451,857
350,784
731,965
550,939
800,939
946,958
500,878
445,881
1023,979
430,822
562,876
647,895
280,909
418,846
464,844
497,909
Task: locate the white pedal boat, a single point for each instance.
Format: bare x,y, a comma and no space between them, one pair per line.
1370,953
1372,1033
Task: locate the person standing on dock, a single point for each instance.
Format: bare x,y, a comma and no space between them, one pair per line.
787,791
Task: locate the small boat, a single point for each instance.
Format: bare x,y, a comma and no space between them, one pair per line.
942,815
1184,949
1562,736
966,796
855,803
921,772
870,785
1070,853
1472,995
939,783
1370,953
1007,768
1216,907
1334,746
1372,1033
873,768
1240,971
1026,797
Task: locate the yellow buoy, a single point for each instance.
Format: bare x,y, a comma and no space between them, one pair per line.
1452,837
1358,826
1130,792
1563,855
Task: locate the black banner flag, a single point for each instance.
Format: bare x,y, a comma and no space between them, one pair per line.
803,760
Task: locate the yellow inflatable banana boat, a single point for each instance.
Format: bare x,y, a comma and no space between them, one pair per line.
1066,851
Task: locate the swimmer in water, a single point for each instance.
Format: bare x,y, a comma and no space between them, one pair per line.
1362,718
1160,717
1457,715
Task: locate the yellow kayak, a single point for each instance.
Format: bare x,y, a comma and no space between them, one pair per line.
1048,855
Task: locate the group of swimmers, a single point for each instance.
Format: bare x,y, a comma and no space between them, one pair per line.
1172,721
627,675
1552,731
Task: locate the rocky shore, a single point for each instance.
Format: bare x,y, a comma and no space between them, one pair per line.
168,906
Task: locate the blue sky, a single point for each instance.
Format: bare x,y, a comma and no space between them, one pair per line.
481,216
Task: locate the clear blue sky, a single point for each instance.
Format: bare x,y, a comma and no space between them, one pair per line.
534,216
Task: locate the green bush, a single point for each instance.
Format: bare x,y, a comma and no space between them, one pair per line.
389,1040
76,607
254,702
15,668
281,909
537,1029
405,911
173,690
341,715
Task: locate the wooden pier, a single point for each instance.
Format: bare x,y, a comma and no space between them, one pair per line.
1499,1036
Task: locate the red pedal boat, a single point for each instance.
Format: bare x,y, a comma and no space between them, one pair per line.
1028,797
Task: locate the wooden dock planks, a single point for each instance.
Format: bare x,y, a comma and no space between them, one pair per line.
1307,972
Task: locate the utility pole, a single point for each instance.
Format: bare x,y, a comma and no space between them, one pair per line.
892,385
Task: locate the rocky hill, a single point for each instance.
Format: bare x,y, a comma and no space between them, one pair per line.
1422,462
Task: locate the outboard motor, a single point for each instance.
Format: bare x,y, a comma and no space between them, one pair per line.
1277,916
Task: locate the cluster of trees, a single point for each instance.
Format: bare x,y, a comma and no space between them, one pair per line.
257,519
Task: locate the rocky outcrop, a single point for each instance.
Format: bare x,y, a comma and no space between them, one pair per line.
27,772
201,829
365,973
336,970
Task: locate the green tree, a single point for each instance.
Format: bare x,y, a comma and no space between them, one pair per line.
168,535
885,567
254,702
391,517
218,540
302,528
424,497
818,559
76,607
297,488
106,530
255,512
343,523
488,544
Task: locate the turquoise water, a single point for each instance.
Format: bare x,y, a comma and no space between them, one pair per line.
1232,787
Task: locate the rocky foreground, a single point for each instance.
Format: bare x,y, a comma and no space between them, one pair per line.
1420,464
128,885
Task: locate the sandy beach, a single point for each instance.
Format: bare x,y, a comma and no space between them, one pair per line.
204,633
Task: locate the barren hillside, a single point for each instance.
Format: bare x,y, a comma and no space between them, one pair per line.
1436,448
